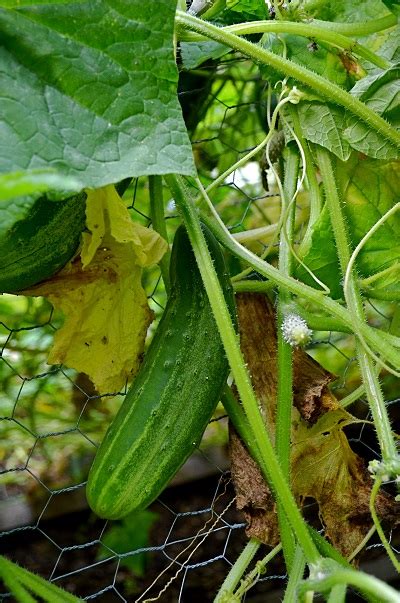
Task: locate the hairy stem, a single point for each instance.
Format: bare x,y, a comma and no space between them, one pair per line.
295,576
237,570
378,526
285,365
374,337
365,583
313,185
270,467
253,575
358,29
355,305
333,38
158,221
319,84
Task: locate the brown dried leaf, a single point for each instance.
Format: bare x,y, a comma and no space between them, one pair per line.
323,465
253,496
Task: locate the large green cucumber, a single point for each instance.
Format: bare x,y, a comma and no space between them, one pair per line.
37,246
167,408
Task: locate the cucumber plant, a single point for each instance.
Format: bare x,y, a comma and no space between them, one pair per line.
323,77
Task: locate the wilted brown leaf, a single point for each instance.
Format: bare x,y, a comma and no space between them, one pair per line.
324,467
253,496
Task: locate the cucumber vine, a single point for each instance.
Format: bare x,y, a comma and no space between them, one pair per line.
318,86
374,348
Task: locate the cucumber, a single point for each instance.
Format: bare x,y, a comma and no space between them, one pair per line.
38,246
167,408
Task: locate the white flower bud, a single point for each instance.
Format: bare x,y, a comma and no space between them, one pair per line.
295,330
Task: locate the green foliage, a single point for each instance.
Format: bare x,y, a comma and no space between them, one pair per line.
21,583
88,109
99,82
346,10
130,534
321,257
248,10
381,93
195,53
322,123
324,61
31,182
369,189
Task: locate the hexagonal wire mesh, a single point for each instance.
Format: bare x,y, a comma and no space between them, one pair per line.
52,420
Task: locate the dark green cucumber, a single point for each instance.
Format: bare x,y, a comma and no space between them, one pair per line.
166,410
38,246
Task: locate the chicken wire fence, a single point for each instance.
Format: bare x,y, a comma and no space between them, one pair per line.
52,420
50,426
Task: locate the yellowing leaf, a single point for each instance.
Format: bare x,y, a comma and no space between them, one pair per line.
107,216
101,295
325,468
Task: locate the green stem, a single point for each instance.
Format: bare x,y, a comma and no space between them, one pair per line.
377,405
338,594
366,282
314,321
11,582
372,336
382,294
285,352
46,591
378,526
322,323
367,369
237,570
312,181
270,467
365,583
158,221
319,84
248,286
254,574
333,38
295,576
361,545
358,29
355,395
255,234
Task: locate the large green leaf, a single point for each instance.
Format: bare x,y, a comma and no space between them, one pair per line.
299,50
369,189
346,11
89,88
331,127
321,257
322,123
248,9
380,92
